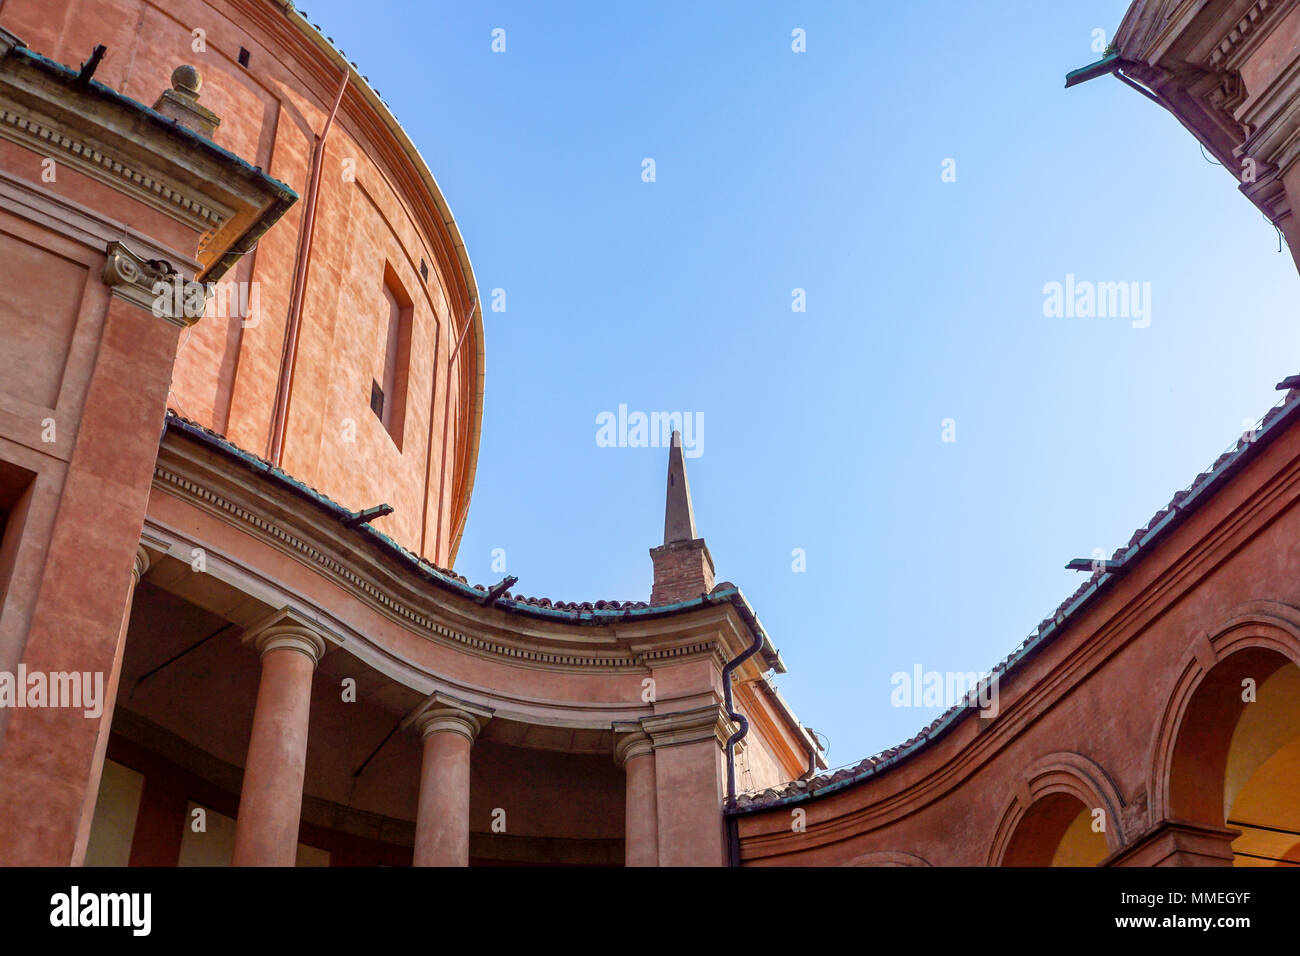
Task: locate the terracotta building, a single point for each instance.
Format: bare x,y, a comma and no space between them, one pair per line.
1154,718
239,422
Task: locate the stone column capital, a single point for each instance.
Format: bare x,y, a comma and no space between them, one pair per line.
291,637
441,713
287,629
631,742
141,564
155,285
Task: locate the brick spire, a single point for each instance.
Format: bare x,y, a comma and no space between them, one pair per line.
683,565
679,516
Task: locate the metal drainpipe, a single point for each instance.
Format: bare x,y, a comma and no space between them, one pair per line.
446,437
289,355
733,829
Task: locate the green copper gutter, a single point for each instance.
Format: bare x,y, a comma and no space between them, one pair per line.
1106,65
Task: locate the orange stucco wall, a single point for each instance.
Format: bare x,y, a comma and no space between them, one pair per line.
372,216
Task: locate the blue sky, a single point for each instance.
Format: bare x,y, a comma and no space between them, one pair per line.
821,170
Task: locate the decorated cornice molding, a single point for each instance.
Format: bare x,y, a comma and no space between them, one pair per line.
407,606
689,726
57,141
1239,37
1272,117
49,108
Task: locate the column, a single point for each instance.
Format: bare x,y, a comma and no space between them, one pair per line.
634,752
270,803
106,718
689,784
442,819
50,756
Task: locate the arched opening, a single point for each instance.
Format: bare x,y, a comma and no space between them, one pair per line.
1236,761
1056,831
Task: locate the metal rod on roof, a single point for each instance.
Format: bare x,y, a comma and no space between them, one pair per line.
369,514
88,68
499,589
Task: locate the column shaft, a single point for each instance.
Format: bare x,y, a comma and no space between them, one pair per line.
442,826
641,827
270,803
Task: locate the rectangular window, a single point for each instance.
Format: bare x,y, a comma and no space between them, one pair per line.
15,496
388,389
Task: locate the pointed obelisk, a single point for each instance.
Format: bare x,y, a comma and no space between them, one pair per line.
683,565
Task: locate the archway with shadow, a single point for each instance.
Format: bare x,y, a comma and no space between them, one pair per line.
1057,830
1236,756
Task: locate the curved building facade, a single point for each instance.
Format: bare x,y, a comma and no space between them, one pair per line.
239,417
238,434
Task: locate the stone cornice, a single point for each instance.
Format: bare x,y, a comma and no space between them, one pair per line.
94,130
689,726
468,627
42,135
1236,40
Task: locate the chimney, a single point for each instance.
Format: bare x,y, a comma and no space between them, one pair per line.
683,565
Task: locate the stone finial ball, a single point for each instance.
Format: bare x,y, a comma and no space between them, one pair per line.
187,80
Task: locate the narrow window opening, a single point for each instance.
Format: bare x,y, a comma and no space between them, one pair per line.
424,270
15,498
243,57
392,358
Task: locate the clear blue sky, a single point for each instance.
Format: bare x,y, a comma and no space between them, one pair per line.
821,171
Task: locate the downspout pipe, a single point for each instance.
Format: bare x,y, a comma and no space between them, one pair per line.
1108,64
733,828
446,436
289,355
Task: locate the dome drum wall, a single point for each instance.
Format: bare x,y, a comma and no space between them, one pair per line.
380,224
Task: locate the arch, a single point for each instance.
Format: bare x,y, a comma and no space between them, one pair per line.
1060,792
1253,640
887,858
